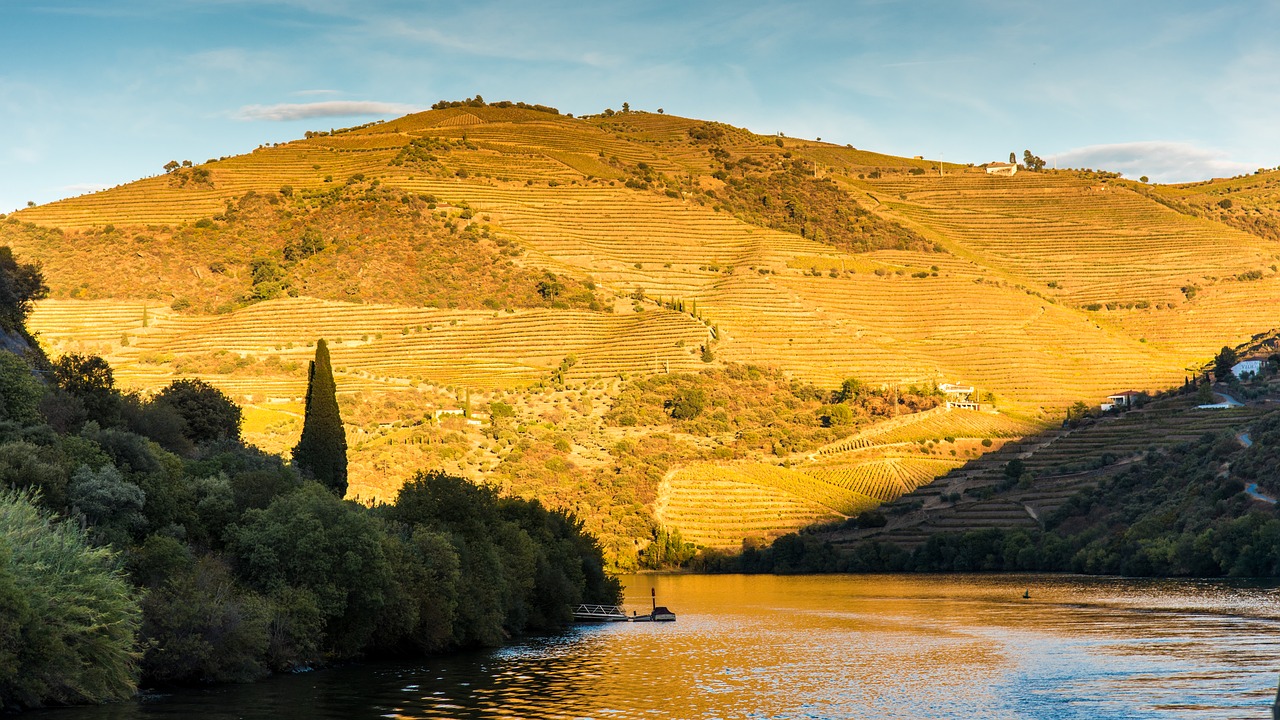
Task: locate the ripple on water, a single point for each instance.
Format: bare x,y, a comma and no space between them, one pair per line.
828,648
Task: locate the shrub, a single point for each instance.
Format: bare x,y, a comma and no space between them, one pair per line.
208,413
68,616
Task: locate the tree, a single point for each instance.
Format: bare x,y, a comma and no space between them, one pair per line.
322,450
209,414
1013,158
687,404
171,166
20,286
1033,162
68,615
20,392
626,107
1143,179
1223,363
88,378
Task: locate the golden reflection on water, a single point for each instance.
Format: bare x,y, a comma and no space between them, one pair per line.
835,647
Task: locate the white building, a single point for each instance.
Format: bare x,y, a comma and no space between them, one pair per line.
1128,398
999,168
1245,367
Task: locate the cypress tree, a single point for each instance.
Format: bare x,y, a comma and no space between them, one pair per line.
321,452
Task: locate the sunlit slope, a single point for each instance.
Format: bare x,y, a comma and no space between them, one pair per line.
883,328
1007,308
1097,241
1250,202
371,345
720,505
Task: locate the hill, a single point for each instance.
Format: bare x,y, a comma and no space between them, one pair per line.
1170,487
516,254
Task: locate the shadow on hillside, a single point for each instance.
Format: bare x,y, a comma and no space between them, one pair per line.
1021,484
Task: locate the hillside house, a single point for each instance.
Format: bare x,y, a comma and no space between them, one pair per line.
1247,367
1001,168
956,390
1126,399
959,396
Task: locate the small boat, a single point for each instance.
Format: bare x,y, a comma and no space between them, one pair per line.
659,613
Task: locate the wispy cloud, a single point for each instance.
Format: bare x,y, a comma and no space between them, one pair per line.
1161,161
82,188
328,108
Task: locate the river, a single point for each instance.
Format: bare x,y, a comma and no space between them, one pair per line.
832,646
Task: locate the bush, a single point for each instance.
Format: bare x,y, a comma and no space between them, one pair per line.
208,413
20,392
687,404
68,616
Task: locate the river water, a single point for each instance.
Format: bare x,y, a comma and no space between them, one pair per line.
828,647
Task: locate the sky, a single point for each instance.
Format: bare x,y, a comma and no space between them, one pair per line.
95,93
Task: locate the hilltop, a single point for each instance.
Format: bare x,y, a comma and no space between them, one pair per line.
493,253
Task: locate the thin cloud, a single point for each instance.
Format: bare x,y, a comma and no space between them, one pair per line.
82,188
1161,161
330,108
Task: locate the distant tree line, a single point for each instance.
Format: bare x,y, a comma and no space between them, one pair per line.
478,102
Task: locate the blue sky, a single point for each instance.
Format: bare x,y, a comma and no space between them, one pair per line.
95,93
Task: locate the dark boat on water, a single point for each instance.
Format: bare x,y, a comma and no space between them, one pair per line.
659,613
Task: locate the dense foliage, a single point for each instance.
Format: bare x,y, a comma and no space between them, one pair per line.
762,409
21,284
793,200
1183,512
236,565
67,613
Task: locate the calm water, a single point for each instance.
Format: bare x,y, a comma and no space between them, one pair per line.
829,647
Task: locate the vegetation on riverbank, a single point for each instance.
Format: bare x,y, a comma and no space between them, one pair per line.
142,542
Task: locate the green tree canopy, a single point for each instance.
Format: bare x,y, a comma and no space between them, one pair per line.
209,414
20,286
1223,363
67,613
88,378
321,452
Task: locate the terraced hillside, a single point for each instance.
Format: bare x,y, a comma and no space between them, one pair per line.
1056,464
1180,281
721,505
495,248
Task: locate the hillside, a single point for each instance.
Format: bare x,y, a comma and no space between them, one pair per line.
1172,487
517,255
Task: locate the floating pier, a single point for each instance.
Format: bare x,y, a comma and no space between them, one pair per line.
613,613
599,613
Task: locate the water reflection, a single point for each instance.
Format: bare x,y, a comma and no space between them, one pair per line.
830,647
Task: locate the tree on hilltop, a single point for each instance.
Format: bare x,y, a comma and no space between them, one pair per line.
321,452
1033,162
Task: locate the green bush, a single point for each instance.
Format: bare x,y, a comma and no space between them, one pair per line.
68,615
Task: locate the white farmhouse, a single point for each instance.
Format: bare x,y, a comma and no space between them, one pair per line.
1245,367
1001,168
